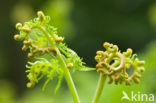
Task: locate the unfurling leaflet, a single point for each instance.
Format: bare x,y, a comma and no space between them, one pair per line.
119,67
42,42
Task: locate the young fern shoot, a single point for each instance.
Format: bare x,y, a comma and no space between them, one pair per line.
115,65
50,57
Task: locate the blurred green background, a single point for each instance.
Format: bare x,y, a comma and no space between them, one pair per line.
85,24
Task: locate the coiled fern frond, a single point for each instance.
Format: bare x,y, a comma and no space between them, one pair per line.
44,45
119,67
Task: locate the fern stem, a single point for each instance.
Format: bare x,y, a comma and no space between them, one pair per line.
65,69
100,87
69,80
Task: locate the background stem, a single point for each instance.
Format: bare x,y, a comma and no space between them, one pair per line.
100,87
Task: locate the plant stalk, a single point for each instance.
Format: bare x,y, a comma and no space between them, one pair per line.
65,69
100,87
69,80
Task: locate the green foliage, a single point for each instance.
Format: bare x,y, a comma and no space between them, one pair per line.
52,58
71,57
44,47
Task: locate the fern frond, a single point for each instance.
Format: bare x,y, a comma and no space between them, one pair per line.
116,65
43,44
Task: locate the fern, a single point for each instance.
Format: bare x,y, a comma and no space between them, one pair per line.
114,64
44,45
117,70
51,58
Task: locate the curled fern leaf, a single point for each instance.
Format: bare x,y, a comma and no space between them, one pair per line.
119,67
40,68
43,44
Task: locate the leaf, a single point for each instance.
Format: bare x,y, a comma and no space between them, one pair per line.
43,44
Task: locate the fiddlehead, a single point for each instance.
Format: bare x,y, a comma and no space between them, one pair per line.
115,64
44,45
